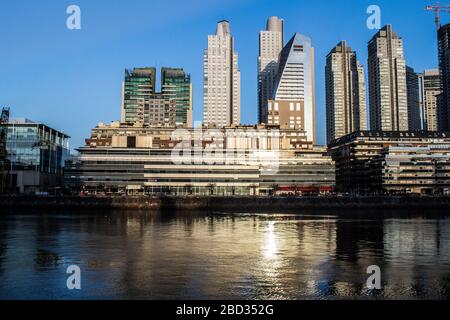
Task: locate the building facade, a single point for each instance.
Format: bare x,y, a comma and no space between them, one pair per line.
430,89
444,70
159,110
388,99
369,162
36,154
295,83
345,92
271,42
248,160
413,90
176,85
139,85
222,83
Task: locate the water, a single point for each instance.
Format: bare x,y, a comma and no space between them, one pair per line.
132,255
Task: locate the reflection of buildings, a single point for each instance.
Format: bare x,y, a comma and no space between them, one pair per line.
37,154
394,162
236,160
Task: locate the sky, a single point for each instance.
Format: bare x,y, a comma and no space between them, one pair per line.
71,79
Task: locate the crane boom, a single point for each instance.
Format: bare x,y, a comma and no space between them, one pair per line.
437,10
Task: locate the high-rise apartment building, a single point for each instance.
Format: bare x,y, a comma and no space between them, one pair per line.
293,98
430,88
139,84
345,91
388,99
221,92
412,87
271,43
176,85
444,69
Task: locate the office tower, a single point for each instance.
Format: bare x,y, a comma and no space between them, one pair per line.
345,91
222,84
139,84
413,92
271,43
292,104
36,155
430,88
388,99
176,85
444,70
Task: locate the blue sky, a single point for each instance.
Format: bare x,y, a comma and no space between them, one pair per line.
71,79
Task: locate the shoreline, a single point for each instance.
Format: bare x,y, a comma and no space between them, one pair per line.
226,204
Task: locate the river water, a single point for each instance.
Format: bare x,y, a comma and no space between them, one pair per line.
136,255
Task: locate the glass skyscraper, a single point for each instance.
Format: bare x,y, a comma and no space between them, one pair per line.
138,86
176,85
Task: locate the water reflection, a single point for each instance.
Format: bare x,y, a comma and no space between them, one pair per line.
223,256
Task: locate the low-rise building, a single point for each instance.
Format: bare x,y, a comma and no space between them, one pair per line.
37,154
235,160
392,162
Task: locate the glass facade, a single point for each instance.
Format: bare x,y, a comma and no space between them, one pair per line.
176,85
139,85
36,147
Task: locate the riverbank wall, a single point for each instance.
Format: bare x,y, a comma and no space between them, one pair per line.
226,204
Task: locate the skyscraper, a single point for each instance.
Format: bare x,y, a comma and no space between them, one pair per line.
222,84
293,101
345,91
388,99
139,84
176,85
430,88
444,70
412,87
271,43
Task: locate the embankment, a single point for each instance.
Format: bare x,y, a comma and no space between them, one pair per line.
226,204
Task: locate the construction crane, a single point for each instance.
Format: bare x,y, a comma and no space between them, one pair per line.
438,9
4,163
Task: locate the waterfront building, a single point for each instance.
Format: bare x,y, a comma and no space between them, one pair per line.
295,88
392,162
345,92
222,83
36,154
271,42
413,91
4,163
444,70
139,85
430,89
388,99
176,85
250,160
